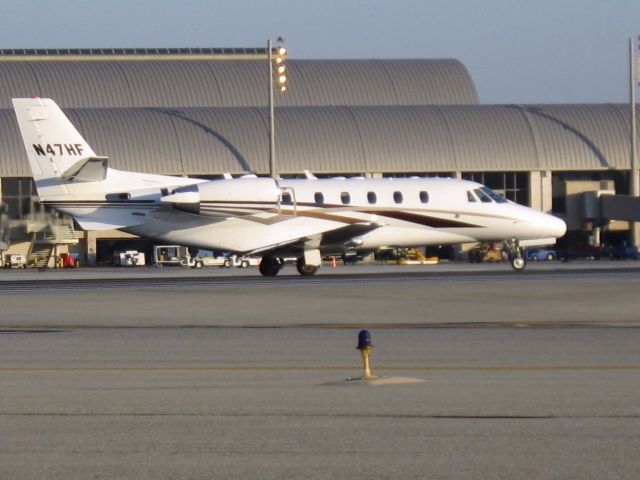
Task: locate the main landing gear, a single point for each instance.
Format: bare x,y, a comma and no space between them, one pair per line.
518,262
304,269
270,266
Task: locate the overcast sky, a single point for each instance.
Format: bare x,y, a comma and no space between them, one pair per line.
517,51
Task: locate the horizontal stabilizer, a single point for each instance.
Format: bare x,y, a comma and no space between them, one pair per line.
90,169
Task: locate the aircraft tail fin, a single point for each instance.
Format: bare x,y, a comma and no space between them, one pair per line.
58,155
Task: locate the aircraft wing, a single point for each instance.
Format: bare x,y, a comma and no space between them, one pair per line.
345,236
107,222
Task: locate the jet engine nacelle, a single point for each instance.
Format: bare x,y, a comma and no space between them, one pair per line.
241,196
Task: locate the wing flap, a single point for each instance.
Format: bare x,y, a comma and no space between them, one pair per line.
107,222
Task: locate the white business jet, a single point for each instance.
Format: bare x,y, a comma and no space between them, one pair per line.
274,218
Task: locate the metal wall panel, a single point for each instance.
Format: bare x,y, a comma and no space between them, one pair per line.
431,82
242,83
350,140
217,140
13,158
82,84
142,140
171,84
337,82
17,80
236,83
324,140
490,138
412,139
580,137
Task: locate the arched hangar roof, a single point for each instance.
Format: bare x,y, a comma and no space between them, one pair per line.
154,82
207,141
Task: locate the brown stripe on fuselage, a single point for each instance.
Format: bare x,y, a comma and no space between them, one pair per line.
433,222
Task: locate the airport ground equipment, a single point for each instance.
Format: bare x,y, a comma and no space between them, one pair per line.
165,255
46,237
540,254
15,261
486,253
413,256
240,262
129,258
205,261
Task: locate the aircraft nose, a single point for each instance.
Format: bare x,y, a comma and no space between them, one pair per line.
554,226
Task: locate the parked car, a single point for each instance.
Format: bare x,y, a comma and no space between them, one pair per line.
622,252
536,254
590,252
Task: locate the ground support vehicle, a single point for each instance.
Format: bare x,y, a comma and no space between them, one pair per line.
205,261
168,255
243,262
486,253
588,252
15,261
221,261
129,258
622,252
538,254
413,256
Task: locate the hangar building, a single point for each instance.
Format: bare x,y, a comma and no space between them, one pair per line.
203,112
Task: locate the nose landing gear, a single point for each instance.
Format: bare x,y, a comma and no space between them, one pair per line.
518,262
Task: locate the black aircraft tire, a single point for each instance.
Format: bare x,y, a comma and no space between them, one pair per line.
269,266
518,263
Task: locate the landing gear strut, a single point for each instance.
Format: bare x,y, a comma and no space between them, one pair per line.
304,269
518,262
269,266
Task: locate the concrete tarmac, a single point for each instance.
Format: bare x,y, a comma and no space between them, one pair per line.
224,375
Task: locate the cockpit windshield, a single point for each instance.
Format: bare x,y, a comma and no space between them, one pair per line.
482,196
486,195
494,196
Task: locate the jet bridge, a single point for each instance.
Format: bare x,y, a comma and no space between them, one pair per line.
620,207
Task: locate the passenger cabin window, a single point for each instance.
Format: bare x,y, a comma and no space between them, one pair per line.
470,196
319,198
424,196
397,197
372,197
286,198
346,198
482,196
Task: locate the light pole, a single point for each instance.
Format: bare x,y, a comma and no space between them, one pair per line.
281,80
633,173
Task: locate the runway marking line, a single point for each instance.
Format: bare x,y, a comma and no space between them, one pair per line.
532,324
300,368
